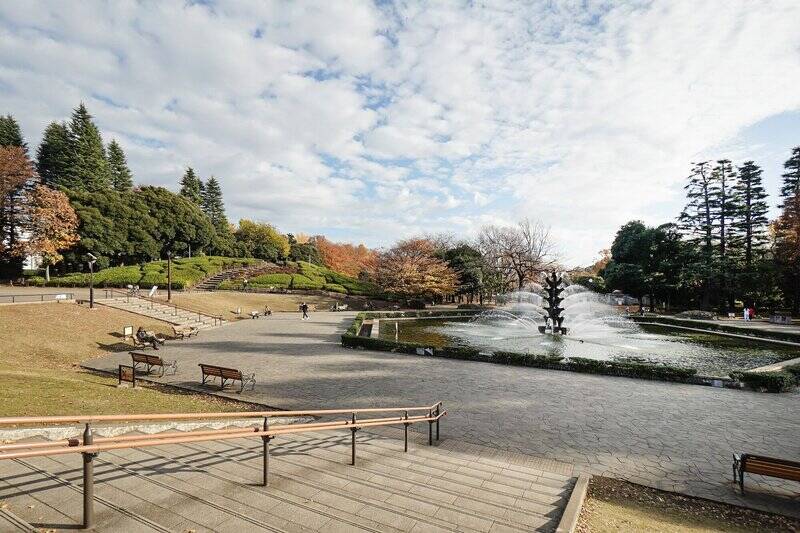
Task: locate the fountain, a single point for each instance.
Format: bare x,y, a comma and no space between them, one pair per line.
553,289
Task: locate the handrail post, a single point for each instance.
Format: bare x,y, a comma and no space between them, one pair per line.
430,427
265,443
353,439
88,479
405,434
438,412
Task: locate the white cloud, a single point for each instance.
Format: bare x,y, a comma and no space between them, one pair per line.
376,122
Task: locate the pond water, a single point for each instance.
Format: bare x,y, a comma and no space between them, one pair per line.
612,339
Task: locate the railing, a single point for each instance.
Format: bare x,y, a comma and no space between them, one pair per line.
43,297
89,446
175,307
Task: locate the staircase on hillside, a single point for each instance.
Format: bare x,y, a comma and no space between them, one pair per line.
167,313
213,486
211,283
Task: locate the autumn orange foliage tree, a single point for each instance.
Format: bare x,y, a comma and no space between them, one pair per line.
51,225
346,258
410,269
16,171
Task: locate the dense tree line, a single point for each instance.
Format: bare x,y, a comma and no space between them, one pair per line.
723,251
117,222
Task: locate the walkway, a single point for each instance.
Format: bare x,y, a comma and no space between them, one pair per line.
670,436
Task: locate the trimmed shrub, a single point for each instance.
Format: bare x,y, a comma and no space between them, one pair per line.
780,381
271,280
460,352
697,314
333,287
35,281
794,370
299,281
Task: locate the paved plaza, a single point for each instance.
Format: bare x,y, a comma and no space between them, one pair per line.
670,436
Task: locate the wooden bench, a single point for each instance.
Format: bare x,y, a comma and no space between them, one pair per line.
227,374
764,466
150,361
185,332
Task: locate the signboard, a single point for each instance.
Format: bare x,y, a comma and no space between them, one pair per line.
60,297
127,332
127,374
425,351
153,291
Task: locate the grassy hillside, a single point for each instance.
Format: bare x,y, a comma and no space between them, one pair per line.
302,275
42,346
186,272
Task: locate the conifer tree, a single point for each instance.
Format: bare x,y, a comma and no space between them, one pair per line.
791,178
750,220
56,158
213,205
696,221
11,134
192,187
91,164
121,177
724,207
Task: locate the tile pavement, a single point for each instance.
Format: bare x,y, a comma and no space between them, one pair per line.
670,436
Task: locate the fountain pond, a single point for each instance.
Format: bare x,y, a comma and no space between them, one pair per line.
595,332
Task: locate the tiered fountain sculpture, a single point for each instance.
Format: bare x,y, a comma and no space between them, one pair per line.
553,288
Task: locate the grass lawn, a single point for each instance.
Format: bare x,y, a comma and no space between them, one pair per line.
42,345
618,506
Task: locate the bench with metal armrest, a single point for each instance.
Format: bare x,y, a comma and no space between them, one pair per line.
150,361
765,466
227,375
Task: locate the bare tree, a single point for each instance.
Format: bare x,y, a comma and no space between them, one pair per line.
520,252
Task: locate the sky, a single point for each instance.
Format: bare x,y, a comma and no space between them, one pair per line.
371,122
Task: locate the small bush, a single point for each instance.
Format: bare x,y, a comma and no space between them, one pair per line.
697,314
769,381
794,370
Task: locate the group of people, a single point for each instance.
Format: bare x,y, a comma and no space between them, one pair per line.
749,313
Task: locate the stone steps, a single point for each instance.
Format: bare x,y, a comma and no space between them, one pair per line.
215,486
162,312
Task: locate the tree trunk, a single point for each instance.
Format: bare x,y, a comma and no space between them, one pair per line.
47,272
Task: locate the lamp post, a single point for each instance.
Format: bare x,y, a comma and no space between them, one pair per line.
92,260
169,275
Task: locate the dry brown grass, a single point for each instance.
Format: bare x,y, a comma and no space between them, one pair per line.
42,345
224,302
618,506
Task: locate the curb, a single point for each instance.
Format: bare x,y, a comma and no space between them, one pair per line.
569,520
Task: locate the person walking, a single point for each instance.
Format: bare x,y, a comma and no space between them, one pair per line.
746,313
304,310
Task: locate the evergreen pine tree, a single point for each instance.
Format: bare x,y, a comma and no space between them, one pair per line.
121,177
791,178
192,187
213,205
750,222
696,221
11,134
91,164
724,208
56,158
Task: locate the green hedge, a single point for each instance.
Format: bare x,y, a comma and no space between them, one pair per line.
271,280
334,287
299,281
186,272
780,381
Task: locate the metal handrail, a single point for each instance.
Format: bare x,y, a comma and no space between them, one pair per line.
89,447
37,296
81,419
200,314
